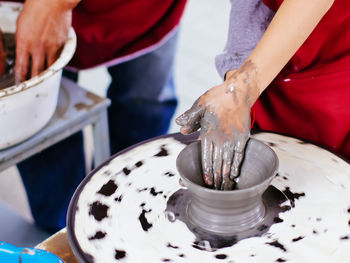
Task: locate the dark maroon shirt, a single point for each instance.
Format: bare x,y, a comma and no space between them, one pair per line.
112,31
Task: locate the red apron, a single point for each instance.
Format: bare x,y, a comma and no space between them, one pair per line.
310,98
110,29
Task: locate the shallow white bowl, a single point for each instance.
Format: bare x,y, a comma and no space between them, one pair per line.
26,108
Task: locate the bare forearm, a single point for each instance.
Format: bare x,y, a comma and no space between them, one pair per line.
293,23
56,4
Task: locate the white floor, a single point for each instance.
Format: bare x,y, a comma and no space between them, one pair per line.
202,36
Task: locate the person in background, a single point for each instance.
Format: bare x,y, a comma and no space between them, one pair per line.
136,40
296,78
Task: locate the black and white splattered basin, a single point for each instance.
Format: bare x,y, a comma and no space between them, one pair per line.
125,210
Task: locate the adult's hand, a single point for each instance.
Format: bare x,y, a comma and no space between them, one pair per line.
2,56
223,114
42,29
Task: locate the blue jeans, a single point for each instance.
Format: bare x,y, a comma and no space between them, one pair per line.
143,103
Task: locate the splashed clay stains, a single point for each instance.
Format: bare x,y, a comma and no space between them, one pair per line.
140,227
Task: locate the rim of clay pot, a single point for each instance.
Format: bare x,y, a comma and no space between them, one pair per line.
65,56
235,191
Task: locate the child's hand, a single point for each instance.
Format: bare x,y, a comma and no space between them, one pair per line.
223,114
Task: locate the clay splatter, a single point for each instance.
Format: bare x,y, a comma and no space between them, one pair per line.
297,239
154,192
142,189
119,254
118,198
277,244
98,211
98,235
139,164
126,171
277,220
281,260
108,189
143,220
172,246
292,196
221,256
197,246
169,174
107,173
163,152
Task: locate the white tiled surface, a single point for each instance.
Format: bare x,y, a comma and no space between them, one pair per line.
202,36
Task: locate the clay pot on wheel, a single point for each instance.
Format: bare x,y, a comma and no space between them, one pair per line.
228,212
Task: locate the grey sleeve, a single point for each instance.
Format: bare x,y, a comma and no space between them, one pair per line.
248,21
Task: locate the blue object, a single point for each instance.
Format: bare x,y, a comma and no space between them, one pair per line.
13,254
143,103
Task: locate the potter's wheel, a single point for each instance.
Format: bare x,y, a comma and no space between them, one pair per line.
118,213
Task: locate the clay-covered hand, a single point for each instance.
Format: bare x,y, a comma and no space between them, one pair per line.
223,114
2,56
42,29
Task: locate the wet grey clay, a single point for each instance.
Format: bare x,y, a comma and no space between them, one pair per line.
228,212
